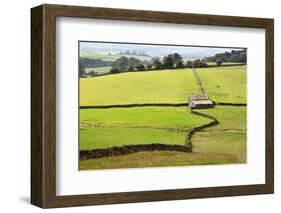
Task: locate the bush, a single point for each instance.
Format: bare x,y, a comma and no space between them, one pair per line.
114,71
131,68
157,64
140,67
198,63
149,66
180,64
189,64
219,62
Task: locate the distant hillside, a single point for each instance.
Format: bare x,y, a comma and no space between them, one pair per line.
111,56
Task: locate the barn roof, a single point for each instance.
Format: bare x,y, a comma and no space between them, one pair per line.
199,97
202,102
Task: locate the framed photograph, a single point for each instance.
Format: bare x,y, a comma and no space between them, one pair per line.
137,106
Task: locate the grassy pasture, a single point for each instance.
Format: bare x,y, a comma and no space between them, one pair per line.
169,86
230,117
224,63
157,159
222,144
223,84
102,128
100,70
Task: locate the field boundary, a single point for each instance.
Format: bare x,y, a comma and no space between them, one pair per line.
134,105
198,81
129,149
195,129
229,104
154,104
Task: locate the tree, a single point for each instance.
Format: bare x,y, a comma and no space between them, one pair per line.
203,63
82,71
176,58
92,73
131,68
157,64
168,62
140,67
219,62
189,64
121,63
197,63
232,56
180,64
149,66
134,61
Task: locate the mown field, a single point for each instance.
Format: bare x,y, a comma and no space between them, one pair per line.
103,128
100,70
168,86
140,125
225,84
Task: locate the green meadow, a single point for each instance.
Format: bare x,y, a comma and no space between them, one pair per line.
140,125
166,86
104,128
100,70
225,84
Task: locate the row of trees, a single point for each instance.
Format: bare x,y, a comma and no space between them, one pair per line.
233,56
171,61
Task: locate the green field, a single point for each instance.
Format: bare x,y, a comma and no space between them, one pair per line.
224,63
100,70
225,84
168,86
103,128
140,125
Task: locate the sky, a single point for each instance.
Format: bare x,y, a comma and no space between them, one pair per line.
153,50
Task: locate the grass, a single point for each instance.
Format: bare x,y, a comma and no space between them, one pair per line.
230,143
224,84
168,86
221,144
224,63
157,159
102,128
100,70
152,117
95,138
230,117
